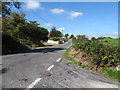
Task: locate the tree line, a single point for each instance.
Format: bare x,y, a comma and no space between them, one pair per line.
19,34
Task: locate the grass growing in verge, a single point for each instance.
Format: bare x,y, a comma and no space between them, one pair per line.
66,56
72,60
113,74
66,53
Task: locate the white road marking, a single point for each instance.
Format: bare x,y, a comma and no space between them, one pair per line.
59,60
50,67
37,80
34,83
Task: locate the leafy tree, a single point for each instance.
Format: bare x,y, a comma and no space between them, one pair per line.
34,32
19,30
43,34
14,24
93,38
100,38
66,35
81,37
55,33
27,33
6,7
72,36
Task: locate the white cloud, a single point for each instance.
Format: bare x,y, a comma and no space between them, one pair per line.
61,29
57,10
113,33
75,14
31,4
48,24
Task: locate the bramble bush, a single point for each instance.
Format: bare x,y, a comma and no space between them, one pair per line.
102,55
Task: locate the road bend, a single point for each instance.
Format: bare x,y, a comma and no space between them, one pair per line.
47,68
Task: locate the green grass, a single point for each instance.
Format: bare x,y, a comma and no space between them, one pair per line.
72,60
78,63
110,41
66,53
66,56
113,74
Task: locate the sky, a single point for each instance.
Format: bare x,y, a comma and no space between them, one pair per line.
79,18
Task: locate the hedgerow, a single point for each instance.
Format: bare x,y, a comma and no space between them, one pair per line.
102,55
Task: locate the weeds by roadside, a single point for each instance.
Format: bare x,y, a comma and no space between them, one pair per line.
113,74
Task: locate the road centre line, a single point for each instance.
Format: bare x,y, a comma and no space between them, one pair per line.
50,67
37,80
34,83
59,60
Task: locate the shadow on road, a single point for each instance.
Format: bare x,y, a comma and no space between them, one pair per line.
45,50
40,50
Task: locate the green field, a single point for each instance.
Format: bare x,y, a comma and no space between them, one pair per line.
110,41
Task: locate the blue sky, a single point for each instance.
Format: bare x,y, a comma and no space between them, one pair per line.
88,18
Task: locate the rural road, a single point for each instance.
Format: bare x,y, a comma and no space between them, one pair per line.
47,68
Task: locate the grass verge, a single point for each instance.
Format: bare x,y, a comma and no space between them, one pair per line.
71,59
112,74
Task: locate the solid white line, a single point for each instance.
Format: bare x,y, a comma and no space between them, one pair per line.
50,67
58,59
34,83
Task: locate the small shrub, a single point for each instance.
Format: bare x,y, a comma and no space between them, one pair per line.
54,38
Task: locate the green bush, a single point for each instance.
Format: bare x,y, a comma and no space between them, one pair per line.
54,38
10,46
103,56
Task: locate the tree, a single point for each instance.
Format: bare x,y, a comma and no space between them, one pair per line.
44,33
6,7
72,36
81,37
22,31
55,33
34,32
66,35
93,38
18,30
100,38
14,24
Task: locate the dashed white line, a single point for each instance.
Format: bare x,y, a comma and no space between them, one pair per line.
34,83
37,80
59,60
50,67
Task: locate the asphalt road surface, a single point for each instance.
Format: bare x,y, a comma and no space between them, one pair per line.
47,68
